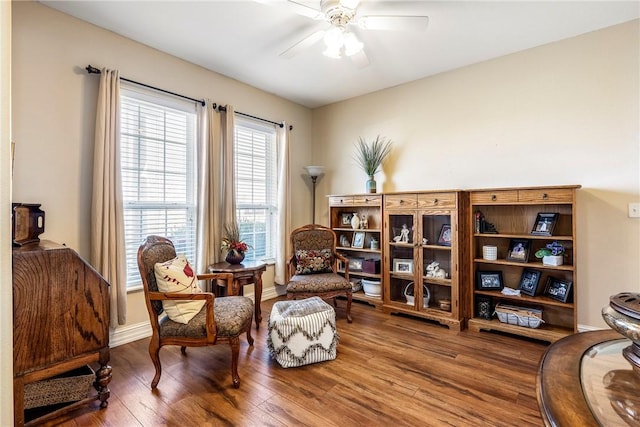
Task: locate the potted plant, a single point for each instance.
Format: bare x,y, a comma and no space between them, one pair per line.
232,243
370,157
551,254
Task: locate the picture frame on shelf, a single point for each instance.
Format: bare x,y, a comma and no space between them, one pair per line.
489,280
484,307
346,220
545,224
519,250
444,239
402,265
355,264
529,282
558,289
358,240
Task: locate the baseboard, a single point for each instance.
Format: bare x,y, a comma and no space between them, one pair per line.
587,328
129,333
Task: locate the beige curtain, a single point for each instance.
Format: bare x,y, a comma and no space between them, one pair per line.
221,168
206,252
108,254
284,205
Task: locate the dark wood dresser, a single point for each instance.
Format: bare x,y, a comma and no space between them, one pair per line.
61,323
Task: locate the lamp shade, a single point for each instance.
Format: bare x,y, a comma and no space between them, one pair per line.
314,170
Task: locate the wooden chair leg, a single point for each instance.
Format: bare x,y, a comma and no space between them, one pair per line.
249,337
183,350
349,319
234,342
154,352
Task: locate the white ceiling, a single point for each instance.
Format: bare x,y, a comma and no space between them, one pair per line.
242,39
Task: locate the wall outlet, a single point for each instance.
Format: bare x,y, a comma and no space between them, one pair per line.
634,210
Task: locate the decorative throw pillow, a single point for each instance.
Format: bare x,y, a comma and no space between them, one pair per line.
313,261
177,276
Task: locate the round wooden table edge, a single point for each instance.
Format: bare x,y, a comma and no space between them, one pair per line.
560,397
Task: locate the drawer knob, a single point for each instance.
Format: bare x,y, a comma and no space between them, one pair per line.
494,197
545,196
401,201
435,201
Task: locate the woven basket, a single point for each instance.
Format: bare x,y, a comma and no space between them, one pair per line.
426,295
69,387
520,316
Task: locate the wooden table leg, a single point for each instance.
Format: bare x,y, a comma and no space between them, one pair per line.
257,290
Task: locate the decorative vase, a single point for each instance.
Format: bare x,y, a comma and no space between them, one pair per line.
554,260
234,257
371,185
355,221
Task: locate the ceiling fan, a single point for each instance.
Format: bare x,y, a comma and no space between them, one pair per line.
342,15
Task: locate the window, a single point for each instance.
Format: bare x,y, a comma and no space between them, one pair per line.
256,186
157,135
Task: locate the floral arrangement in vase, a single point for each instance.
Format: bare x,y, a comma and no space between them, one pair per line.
370,157
551,254
232,243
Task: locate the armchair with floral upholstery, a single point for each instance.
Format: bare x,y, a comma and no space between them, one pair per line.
181,314
313,266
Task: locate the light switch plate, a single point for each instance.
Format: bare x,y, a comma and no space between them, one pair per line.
634,210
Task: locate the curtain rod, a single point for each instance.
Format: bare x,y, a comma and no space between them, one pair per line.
93,70
223,108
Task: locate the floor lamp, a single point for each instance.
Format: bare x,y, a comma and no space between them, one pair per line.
314,172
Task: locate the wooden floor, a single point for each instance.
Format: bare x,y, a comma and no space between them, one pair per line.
390,371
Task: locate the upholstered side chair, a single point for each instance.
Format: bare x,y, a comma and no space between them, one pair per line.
313,266
220,320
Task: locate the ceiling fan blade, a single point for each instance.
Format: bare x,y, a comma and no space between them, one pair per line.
360,59
303,44
402,23
305,10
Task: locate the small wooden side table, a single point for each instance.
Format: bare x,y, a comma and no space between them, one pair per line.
247,273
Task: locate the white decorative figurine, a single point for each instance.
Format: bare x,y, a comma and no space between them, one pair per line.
434,271
404,235
364,222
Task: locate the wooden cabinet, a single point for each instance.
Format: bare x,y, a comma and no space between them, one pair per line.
361,245
422,230
498,218
61,323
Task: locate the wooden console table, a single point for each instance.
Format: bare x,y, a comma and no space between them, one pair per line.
583,380
249,272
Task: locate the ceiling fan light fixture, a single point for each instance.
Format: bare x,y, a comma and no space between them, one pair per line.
351,44
332,53
334,38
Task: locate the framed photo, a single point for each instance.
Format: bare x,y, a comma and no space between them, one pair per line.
445,235
355,264
519,250
403,266
529,282
484,307
346,220
358,240
545,224
558,289
489,280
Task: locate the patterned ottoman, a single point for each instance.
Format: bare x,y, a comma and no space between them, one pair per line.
302,332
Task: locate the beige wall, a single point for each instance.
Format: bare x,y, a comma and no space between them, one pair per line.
564,113
54,114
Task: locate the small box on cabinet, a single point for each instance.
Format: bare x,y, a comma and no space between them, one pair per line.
371,266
